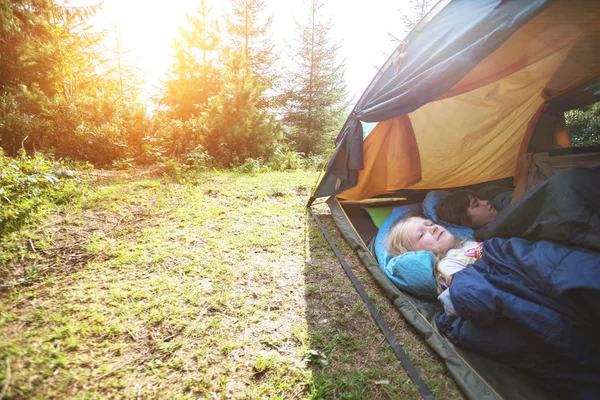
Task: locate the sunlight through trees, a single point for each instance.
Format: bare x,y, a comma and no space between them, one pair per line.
231,95
70,90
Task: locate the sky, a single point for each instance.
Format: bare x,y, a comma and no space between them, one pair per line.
147,28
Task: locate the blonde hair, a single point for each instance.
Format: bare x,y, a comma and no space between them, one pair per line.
398,243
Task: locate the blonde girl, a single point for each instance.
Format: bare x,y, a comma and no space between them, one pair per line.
414,233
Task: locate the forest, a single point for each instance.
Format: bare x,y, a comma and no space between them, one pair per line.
68,90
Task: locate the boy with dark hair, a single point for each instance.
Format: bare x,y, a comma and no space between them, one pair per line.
465,208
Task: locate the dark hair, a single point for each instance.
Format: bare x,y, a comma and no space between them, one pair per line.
454,208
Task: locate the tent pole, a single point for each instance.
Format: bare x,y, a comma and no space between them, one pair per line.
400,353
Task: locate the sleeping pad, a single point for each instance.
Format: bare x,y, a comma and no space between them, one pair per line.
536,307
564,208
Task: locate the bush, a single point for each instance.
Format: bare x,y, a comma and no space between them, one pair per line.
19,128
173,138
237,123
252,166
96,128
27,183
284,159
124,163
172,168
177,168
314,162
198,158
584,126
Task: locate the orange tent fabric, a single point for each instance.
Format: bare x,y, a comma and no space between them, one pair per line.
476,131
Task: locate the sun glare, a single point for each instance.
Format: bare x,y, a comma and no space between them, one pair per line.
147,28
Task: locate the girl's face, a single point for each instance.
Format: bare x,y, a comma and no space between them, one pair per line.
425,235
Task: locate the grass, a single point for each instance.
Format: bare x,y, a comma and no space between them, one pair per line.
219,287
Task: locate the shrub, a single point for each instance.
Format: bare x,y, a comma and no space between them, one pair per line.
124,163
283,159
198,158
171,168
584,126
26,183
173,138
237,123
19,128
97,128
252,166
314,162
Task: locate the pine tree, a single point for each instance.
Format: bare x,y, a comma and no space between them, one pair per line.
193,77
315,97
43,46
417,9
249,33
119,68
56,89
46,58
237,126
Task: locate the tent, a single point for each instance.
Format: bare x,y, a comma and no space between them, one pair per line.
473,86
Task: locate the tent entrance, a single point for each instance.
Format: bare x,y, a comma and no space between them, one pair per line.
357,212
478,377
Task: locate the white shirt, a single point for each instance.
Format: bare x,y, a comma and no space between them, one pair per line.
457,259
454,261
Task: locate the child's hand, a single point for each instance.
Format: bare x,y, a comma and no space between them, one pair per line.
521,176
525,161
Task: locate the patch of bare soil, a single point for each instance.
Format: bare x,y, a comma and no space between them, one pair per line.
126,175
69,236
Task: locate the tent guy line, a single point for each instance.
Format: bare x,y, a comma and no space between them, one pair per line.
398,350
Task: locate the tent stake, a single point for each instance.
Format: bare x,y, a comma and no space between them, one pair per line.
400,353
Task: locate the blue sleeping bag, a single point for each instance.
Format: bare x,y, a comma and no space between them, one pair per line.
536,307
564,208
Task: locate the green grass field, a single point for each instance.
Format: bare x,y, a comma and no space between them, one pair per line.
217,286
